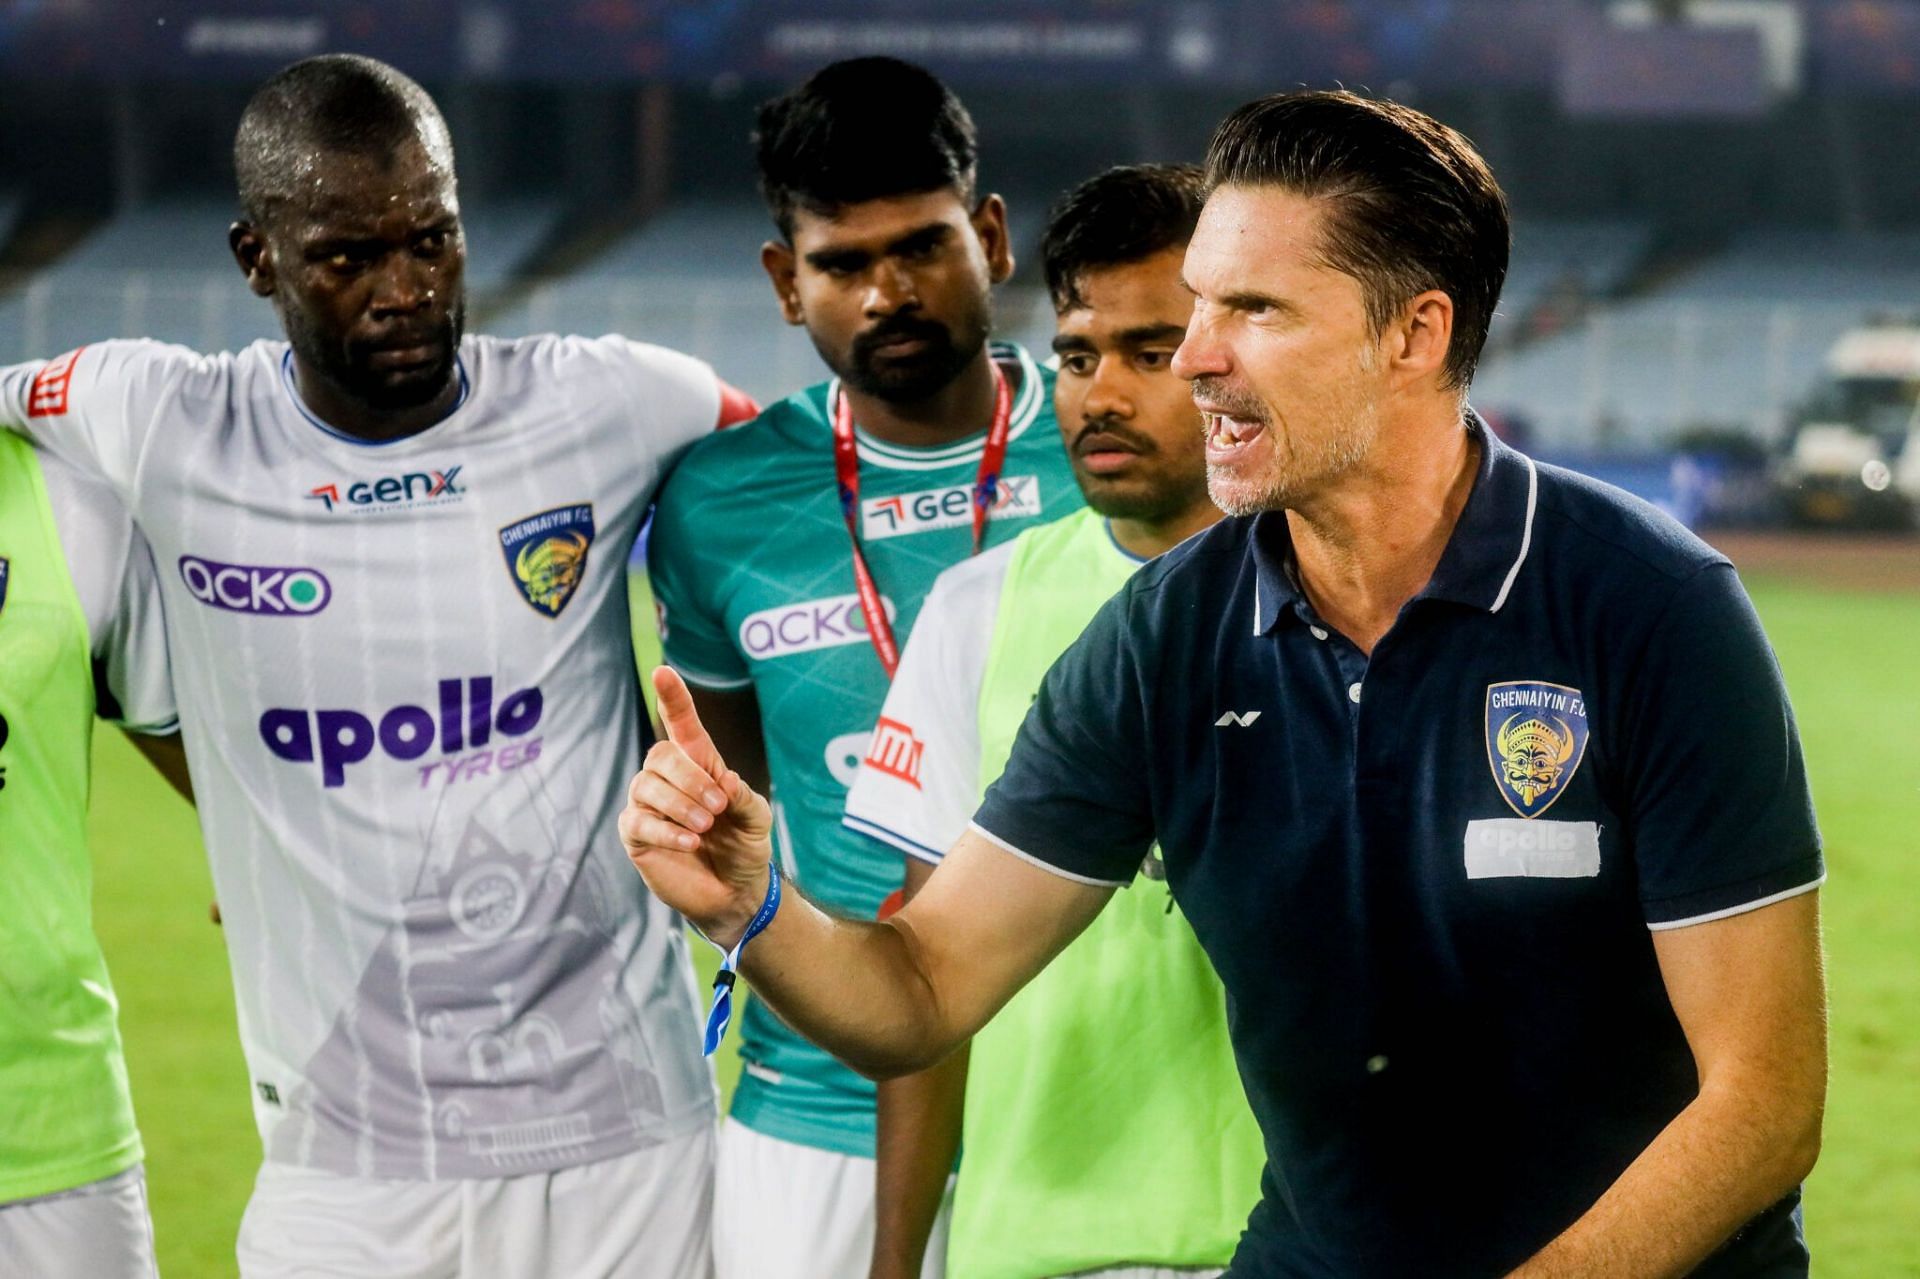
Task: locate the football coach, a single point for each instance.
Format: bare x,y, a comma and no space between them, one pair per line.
1476,779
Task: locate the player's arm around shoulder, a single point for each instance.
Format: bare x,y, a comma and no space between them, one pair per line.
885,997
97,406
678,398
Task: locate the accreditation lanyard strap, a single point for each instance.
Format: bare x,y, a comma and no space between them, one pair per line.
846,466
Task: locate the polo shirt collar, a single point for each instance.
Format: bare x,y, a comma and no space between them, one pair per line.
1482,559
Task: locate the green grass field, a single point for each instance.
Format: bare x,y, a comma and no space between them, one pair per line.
1855,683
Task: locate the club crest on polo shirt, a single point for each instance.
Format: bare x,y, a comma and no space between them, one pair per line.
1536,738
547,555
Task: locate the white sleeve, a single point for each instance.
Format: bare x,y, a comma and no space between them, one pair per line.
678,395
920,782
119,589
94,407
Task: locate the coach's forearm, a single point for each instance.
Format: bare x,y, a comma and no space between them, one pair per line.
1723,1160
858,989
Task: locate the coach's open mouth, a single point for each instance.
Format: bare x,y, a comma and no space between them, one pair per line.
1229,437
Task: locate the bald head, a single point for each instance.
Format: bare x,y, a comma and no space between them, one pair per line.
338,103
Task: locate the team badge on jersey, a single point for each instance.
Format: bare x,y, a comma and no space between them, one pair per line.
1536,738
547,555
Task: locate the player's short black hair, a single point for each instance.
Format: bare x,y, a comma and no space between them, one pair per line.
1120,216
862,129
334,102
1411,205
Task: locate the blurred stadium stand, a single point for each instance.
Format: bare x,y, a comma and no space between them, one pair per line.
1707,194
1731,342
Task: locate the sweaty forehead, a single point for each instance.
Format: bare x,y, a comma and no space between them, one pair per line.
346,189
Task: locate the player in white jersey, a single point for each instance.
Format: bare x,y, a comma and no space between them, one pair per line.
394,567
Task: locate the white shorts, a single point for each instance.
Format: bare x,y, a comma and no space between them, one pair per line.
101,1230
641,1216
786,1211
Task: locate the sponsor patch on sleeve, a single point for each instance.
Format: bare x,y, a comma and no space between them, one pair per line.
895,751
47,396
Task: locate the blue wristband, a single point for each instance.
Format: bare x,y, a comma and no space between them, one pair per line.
722,1010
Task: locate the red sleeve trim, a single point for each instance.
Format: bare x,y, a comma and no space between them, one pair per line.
736,406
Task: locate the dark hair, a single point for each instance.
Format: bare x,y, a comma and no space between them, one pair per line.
1411,206
1120,216
858,130
335,102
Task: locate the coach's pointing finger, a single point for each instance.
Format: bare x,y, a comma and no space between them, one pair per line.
682,721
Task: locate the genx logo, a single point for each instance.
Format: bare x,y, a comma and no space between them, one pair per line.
248,588
464,719
390,492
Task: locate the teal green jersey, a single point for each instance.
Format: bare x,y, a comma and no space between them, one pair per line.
753,573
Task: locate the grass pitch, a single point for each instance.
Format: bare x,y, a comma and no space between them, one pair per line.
1850,663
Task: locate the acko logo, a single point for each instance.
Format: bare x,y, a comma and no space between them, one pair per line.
806,626
465,719
249,588
929,509
388,493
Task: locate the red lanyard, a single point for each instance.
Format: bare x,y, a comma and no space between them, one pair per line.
846,467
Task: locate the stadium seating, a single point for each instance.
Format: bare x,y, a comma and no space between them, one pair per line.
1735,341
163,271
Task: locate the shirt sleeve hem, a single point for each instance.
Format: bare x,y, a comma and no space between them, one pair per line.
702,679
165,728
1770,894
1042,863
892,839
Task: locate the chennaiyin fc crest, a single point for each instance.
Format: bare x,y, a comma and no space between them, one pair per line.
547,555
1536,738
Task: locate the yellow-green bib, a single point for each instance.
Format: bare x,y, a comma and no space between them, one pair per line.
66,1117
1105,1122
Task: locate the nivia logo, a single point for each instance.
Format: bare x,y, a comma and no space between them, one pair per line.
929,509
1238,719
248,588
467,720
388,493
806,626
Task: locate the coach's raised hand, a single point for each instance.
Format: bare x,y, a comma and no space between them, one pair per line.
699,835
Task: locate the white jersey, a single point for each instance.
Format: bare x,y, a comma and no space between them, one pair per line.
407,686
113,574
920,782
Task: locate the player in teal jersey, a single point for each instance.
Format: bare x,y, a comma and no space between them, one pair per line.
888,258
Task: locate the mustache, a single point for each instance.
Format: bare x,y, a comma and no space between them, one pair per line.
1229,399
1114,430
901,328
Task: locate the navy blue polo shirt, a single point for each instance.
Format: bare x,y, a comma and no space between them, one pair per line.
1428,878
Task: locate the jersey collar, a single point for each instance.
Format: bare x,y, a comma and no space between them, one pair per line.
1027,402
1482,558
293,393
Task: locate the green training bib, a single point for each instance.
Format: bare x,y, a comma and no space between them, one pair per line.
66,1117
1105,1121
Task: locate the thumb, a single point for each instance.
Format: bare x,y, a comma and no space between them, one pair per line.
745,805
682,721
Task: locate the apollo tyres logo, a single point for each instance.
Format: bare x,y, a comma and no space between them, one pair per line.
386,494
259,590
474,736
807,626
